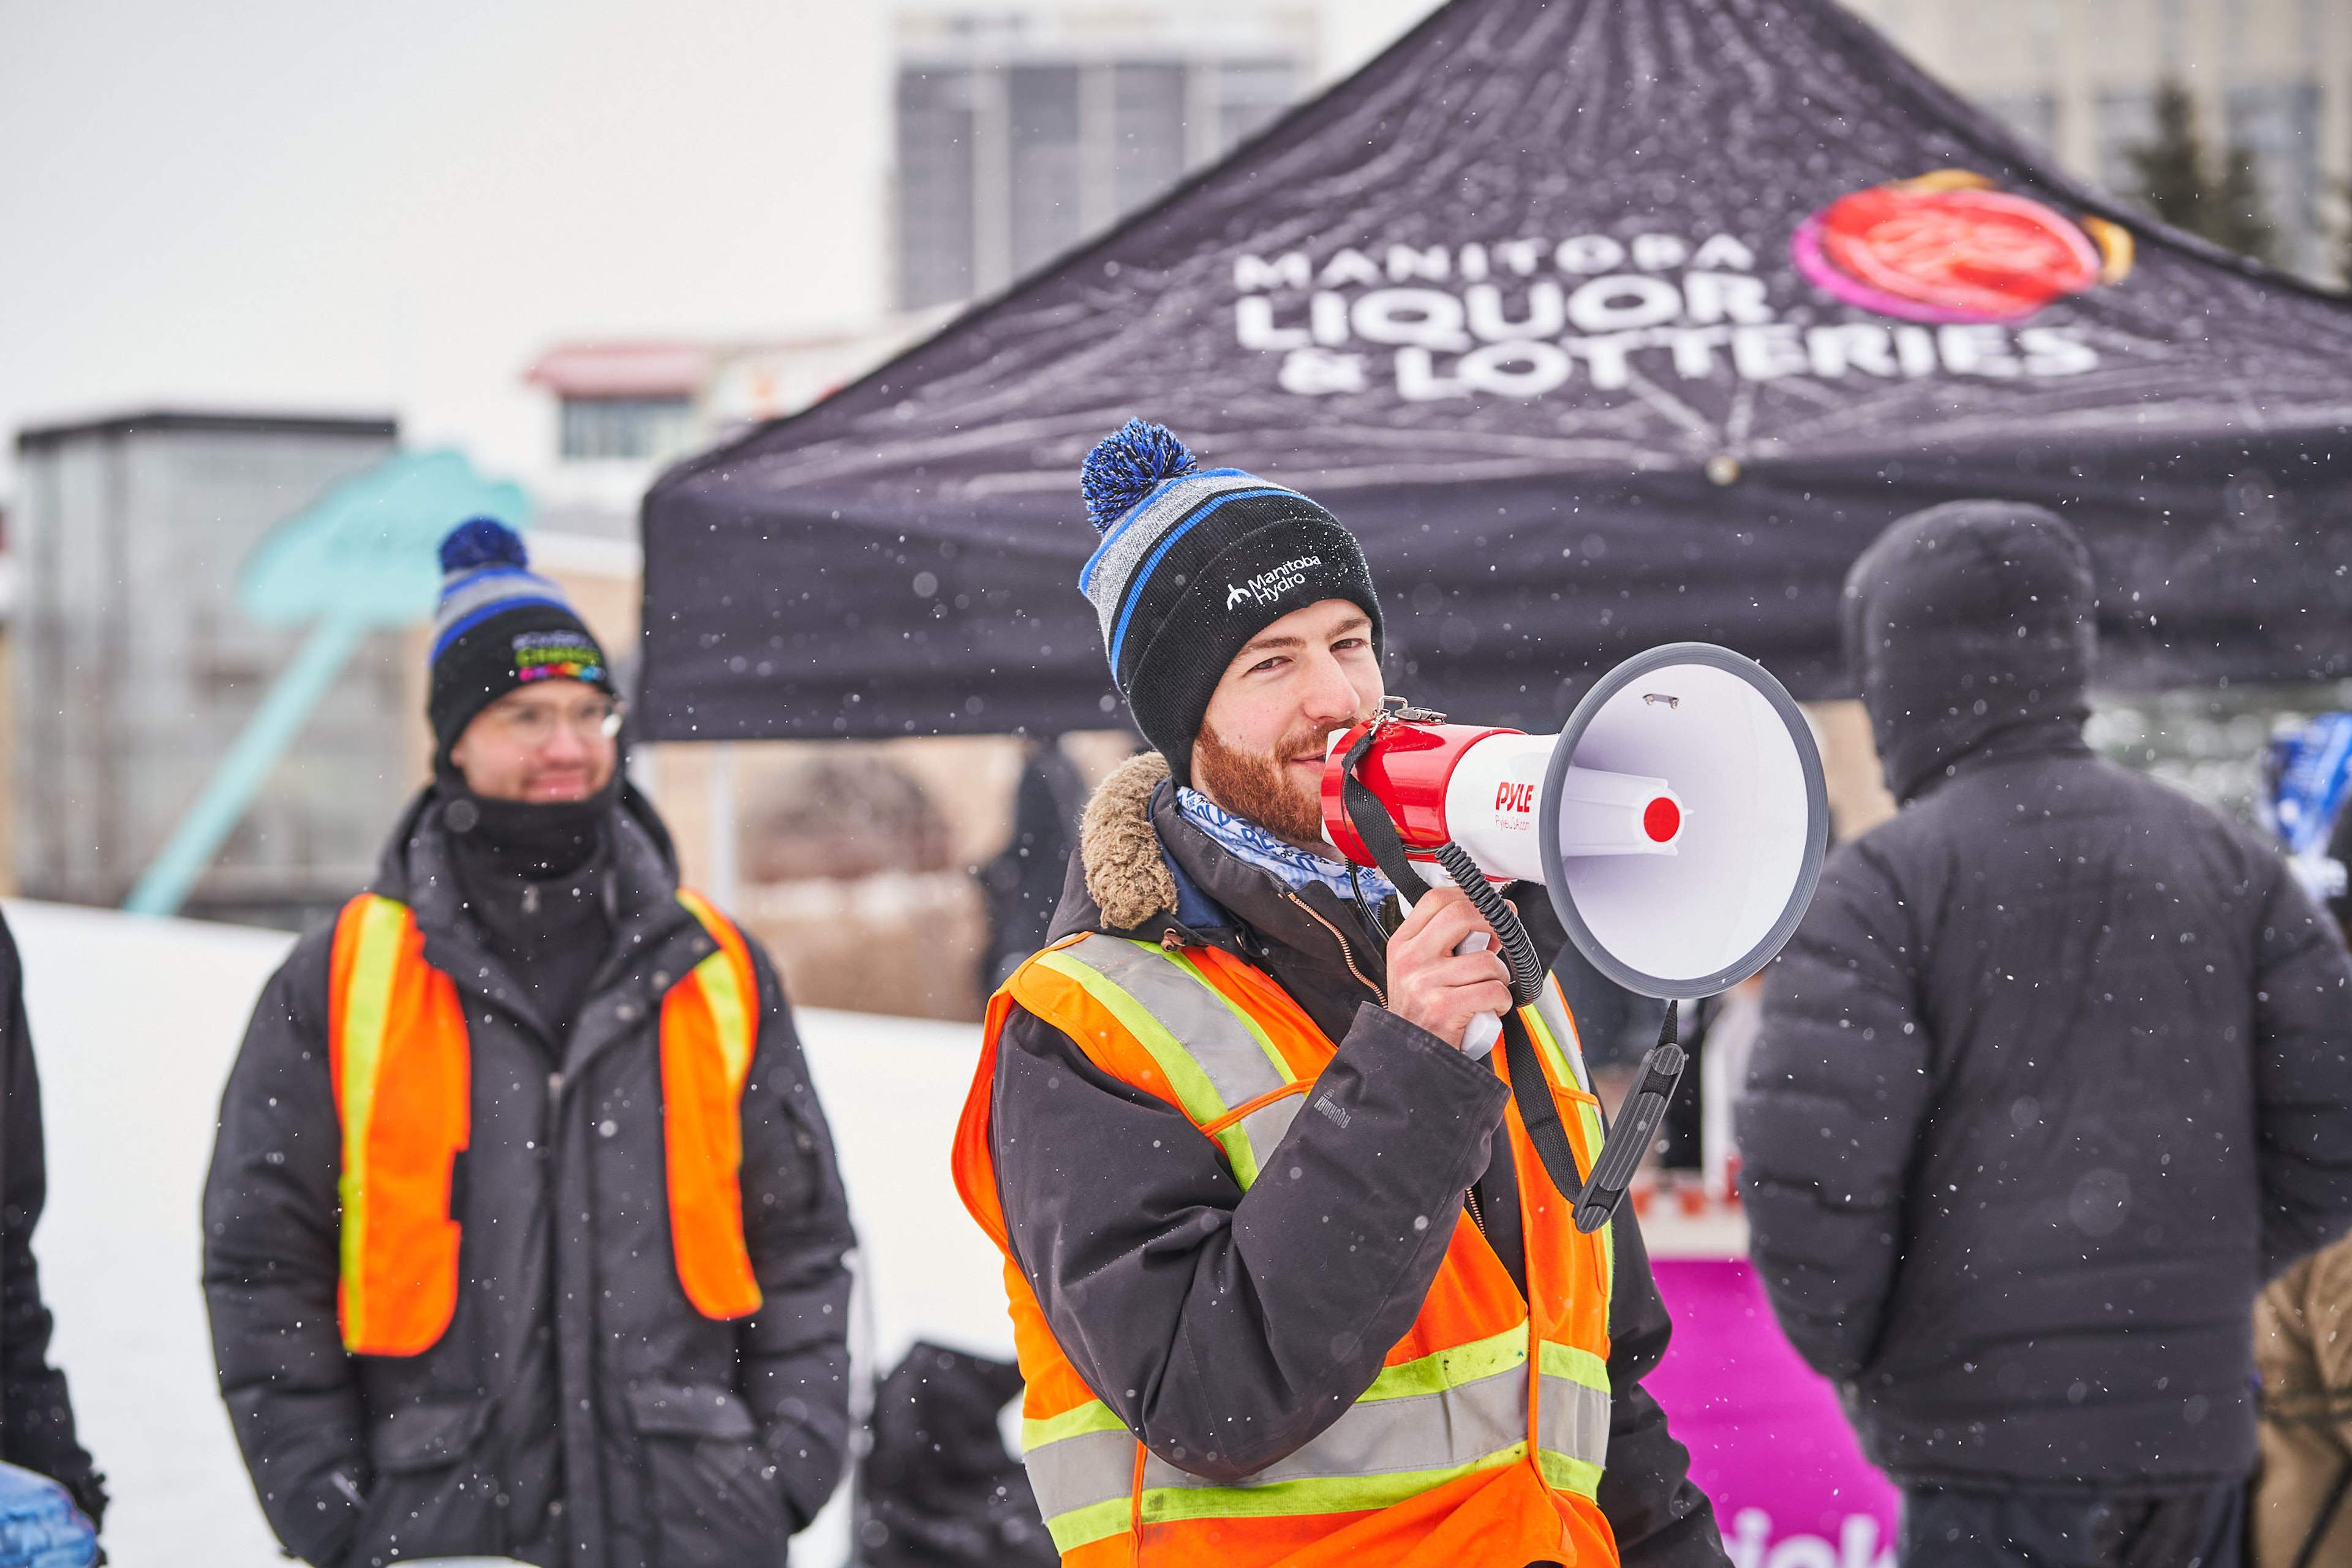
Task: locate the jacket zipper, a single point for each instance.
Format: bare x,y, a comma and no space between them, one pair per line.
1470,1197
1347,953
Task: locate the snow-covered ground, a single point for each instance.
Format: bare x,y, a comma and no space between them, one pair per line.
136,1022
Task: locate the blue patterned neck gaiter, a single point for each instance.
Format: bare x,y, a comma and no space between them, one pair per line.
1295,867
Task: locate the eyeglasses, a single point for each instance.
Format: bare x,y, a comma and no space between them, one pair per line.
535,723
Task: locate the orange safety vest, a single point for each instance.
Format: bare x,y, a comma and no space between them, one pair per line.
402,1066
1483,1437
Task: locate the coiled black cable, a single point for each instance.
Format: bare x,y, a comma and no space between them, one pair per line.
1518,950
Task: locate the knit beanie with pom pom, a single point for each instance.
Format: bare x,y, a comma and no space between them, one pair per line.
1193,563
499,627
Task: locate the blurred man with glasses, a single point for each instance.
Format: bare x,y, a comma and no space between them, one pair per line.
523,1235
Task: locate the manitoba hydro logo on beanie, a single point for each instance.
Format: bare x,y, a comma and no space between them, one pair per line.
1193,563
1268,586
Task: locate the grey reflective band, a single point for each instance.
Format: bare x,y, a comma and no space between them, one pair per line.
1573,1420
1439,1431
1268,1123
1081,1471
1220,1040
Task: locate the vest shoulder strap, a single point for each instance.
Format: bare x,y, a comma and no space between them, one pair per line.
402,1128
1154,1018
710,1032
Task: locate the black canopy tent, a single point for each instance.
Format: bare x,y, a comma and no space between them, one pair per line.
1603,324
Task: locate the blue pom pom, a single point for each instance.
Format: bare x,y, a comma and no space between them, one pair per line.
482,541
1125,466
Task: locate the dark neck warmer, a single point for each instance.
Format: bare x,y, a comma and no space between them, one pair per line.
537,882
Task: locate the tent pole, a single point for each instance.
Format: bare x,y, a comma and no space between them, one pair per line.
725,871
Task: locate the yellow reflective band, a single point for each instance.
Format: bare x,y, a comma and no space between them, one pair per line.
1588,1119
1452,1368
1554,1063
1241,1015
1576,1365
384,928
1330,1494
1094,1415
722,992
1566,1475
1194,1092
1073,1529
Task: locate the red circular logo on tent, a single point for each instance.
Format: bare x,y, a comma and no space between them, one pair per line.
1946,248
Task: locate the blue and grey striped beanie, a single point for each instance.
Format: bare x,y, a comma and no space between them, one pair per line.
499,627
1193,563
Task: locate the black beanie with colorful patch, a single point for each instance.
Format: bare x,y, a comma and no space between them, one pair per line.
499,627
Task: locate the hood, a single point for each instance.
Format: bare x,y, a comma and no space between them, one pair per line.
1967,623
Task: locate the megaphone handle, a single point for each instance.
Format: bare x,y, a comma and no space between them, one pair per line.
1637,1123
1487,1027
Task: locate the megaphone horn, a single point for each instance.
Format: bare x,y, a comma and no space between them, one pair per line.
1678,823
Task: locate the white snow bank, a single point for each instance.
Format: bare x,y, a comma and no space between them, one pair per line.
135,1022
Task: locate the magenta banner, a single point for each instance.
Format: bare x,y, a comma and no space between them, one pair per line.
1767,1441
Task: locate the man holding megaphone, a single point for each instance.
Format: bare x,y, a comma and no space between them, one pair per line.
1289,1279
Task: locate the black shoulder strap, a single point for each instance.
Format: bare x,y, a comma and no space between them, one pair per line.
1373,823
1539,1110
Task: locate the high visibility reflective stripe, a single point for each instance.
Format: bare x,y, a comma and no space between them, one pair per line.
1256,1031
1555,1060
1267,1124
1411,1434
1231,1048
1079,1474
366,1006
1073,1529
1576,1365
1094,1415
1213,1056
1332,1494
708,1032
1573,1422
723,991
1564,1474
1448,1368
1400,1438
401,1066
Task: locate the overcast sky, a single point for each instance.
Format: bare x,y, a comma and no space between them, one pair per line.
394,208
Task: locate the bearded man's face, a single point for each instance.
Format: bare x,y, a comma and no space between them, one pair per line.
1260,751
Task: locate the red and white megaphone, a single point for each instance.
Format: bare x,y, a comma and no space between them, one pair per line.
1678,821
1679,824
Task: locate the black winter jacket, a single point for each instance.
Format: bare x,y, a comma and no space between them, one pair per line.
36,1417
2054,1075
1227,1329
578,1411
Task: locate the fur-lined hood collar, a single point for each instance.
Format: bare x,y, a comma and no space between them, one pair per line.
1125,874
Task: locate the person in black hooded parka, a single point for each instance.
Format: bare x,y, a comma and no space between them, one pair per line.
2053,1078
